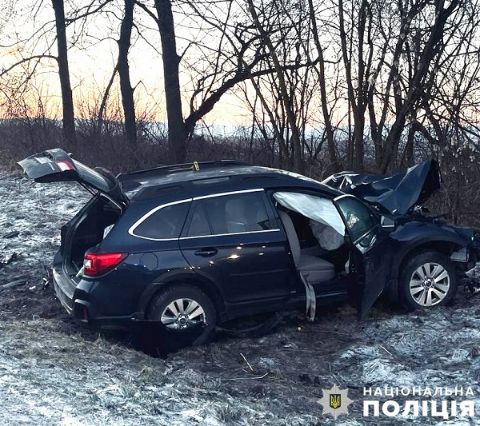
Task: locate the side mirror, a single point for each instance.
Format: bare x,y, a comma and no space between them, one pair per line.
387,222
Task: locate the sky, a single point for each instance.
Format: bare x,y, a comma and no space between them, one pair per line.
92,57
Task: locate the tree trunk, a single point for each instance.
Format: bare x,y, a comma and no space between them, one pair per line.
358,130
64,73
176,129
124,73
409,147
103,103
353,107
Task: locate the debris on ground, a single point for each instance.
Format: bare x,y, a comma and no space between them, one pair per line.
8,258
12,234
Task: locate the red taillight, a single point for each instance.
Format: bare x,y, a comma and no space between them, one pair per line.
65,165
96,264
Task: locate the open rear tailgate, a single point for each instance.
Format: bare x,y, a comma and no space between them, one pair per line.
55,165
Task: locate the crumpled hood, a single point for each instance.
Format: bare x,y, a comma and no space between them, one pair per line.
396,193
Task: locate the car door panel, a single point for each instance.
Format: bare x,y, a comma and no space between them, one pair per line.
374,265
249,266
249,256
371,253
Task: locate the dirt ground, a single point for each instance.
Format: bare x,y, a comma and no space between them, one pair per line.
53,371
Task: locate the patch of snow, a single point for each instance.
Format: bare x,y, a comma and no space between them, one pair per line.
54,372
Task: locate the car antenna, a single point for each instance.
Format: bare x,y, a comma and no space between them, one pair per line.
195,166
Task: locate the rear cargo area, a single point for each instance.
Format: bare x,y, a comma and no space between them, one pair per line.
86,230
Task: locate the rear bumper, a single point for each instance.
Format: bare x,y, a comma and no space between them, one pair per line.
76,301
64,290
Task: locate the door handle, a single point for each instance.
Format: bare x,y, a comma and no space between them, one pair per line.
206,252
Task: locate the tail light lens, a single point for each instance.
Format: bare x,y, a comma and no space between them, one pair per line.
95,264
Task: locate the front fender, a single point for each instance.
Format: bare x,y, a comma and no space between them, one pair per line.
414,237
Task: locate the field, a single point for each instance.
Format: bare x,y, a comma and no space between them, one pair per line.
53,370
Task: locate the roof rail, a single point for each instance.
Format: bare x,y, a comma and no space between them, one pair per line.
176,168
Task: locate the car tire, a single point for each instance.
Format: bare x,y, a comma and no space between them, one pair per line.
427,280
196,330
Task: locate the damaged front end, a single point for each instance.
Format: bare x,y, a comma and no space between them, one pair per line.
472,275
399,198
396,194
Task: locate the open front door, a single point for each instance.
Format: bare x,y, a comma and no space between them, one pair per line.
370,253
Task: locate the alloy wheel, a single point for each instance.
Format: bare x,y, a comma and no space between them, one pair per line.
182,314
429,284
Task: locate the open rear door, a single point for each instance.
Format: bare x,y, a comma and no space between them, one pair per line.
55,165
370,252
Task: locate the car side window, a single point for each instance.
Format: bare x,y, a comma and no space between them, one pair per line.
199,223
165,223
358,217
229,214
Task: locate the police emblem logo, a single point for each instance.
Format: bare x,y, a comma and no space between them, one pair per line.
335,401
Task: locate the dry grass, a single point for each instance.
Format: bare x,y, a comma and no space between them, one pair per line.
459,200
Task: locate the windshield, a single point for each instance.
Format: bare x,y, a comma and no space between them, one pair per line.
358,217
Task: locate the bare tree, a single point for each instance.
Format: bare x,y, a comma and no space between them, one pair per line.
123,68
432,48
176,129
286,100
64,72
240,56
325,84
322,81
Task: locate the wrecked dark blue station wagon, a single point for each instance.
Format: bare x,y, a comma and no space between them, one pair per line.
196,245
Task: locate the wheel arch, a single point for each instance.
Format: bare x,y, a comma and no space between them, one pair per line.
207,286
440,246
446,247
